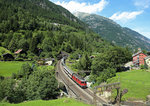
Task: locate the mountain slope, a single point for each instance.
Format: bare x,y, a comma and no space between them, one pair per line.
113,32
42,28
39,10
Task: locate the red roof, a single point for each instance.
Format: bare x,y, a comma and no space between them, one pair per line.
18,51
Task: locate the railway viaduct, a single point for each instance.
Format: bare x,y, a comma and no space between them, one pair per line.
85,95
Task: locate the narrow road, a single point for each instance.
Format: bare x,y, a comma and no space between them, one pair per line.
85,95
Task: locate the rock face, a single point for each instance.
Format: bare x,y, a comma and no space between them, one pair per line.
113,32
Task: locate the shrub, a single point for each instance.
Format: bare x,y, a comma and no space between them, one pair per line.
42,85
143,67
19,59
14,76
25,71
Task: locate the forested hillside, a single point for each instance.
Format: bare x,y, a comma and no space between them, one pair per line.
113,32
33,14
42,28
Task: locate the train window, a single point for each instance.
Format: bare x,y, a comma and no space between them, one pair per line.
82,82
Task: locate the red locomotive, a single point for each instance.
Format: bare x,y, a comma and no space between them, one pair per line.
75,77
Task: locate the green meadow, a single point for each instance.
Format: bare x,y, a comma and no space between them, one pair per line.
57,102
9,67
136,81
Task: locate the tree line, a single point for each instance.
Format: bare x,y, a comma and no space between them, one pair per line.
103,65
30,83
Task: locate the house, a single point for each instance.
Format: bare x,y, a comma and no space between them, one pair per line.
49,61
147,61
139,58
41,62
7,57
128,65
20,53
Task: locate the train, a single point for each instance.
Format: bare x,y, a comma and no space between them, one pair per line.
75,77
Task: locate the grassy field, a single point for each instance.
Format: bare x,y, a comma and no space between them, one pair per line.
136,81
46,67
57,102
9,67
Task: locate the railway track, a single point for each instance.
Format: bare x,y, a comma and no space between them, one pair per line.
85,95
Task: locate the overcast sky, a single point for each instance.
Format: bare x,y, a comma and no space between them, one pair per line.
134,14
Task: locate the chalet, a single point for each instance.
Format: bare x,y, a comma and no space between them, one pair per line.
19,51
49,61
128,65
138,58
7,57
147,61
41,62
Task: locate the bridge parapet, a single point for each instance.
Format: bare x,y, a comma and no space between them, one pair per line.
69,91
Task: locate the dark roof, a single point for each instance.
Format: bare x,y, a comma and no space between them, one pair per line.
5,54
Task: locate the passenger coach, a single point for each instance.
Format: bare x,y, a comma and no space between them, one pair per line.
75,77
